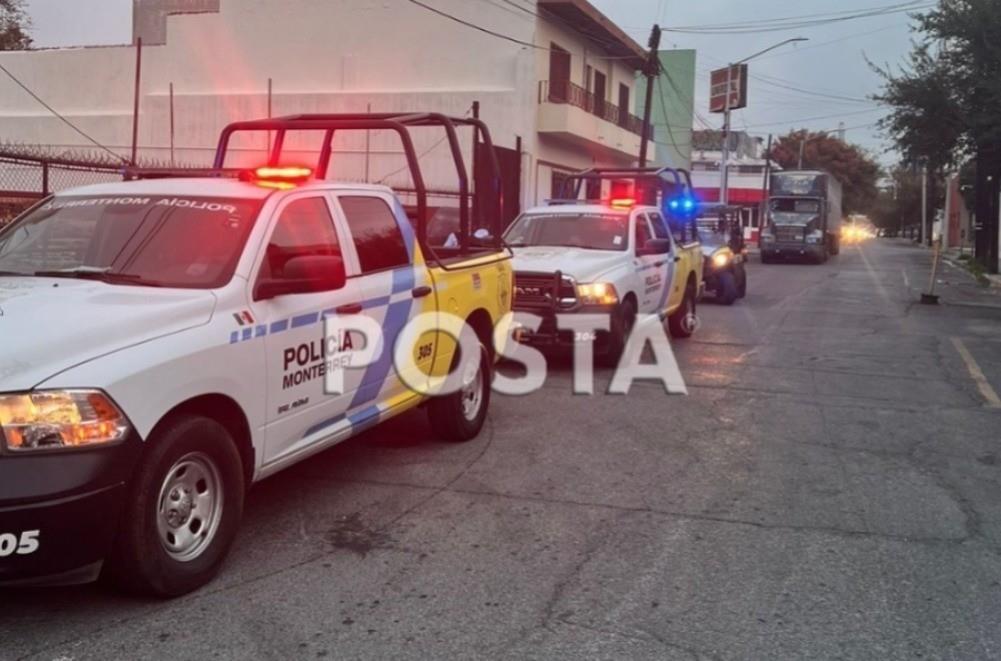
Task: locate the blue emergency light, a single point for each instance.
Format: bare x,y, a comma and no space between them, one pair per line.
683,206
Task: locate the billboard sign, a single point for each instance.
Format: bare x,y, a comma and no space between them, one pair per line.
718,88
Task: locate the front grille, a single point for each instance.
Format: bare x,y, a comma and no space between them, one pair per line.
789,234
536,291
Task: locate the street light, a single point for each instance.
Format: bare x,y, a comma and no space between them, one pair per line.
724,180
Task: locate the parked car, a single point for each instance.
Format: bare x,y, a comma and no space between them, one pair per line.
164,347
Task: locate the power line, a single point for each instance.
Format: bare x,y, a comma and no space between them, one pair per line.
823,44
810,119
667,123
900,6
785,24
521,42
476,27
56,113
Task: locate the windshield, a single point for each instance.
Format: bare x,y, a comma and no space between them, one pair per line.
577,230
156,241
794,211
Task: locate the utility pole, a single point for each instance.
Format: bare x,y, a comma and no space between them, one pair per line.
766,184
652,72
802,148
135,105
925,234
724,170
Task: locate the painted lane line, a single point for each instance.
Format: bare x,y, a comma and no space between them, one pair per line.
988,393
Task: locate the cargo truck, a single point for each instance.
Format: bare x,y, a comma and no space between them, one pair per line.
804,216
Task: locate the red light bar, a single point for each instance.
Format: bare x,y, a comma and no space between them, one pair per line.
278,177
286,172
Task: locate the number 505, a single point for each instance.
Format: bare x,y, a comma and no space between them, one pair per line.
26,544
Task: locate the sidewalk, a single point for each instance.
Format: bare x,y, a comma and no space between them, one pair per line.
954,257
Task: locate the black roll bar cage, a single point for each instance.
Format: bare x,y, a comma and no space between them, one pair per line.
572,185
400,123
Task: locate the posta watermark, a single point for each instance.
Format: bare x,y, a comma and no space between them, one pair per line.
432,340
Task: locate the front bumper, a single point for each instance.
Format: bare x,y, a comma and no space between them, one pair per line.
786,249
549,334
70,503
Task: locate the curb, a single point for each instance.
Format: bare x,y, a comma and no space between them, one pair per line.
993,281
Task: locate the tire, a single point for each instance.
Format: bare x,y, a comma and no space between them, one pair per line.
766,258
455,417
190,482
741,281
835,245
622,325
726,291
677,321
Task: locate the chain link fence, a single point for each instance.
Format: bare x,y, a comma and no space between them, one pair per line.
28,175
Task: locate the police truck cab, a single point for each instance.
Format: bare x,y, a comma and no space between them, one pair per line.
632,254
163,346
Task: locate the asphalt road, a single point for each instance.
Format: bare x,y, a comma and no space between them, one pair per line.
828,490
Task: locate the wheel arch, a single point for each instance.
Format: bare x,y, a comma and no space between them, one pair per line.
482,323
228,413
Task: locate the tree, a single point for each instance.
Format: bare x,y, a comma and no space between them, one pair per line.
944,103
14,26
858,173
899,202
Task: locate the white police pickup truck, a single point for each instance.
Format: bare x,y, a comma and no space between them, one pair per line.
619,259
163,345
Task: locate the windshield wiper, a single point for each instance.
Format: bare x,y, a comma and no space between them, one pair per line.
102,273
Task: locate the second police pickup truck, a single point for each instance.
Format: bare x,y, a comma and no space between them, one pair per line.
163,346
634,252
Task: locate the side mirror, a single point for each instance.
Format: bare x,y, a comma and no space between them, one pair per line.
305,275
655,247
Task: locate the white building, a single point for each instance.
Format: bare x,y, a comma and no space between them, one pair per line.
746,173
565,94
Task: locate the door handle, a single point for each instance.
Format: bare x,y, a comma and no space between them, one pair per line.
350,308
677,259
421,292
660,263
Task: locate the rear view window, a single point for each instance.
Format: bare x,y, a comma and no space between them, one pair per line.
376,234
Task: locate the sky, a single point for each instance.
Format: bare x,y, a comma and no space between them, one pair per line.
832,62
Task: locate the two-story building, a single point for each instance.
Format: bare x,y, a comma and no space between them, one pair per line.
747,173
555,82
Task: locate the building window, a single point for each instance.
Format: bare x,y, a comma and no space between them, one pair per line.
559,74
623,104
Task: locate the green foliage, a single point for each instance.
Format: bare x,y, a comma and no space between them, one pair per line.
925,119
899,201
852,166
14,26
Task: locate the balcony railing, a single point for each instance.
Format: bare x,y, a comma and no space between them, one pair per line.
564,91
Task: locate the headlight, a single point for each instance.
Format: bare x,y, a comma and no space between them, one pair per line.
814,237
766,235
60,419
597,293
721,259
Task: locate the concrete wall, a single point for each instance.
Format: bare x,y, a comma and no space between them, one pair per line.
321,56
673,107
